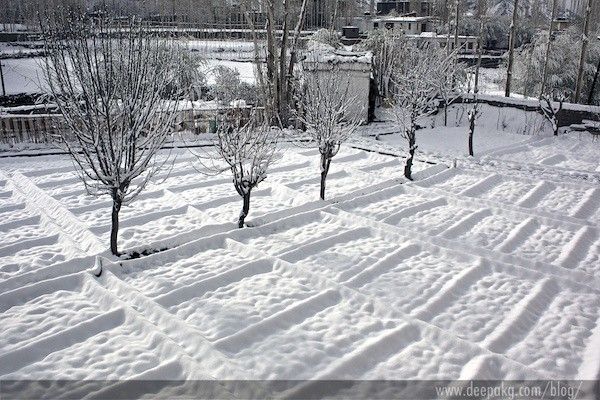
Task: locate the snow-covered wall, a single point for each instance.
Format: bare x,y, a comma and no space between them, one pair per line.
570,114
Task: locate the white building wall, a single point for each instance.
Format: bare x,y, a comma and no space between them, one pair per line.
354,70
354,82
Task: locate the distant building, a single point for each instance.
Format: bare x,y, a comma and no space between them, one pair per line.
417,8
467,44
562,23
421,29
402,25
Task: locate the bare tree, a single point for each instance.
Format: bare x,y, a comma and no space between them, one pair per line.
472,116
281,55
108,82
329,112
248,149
416,89
452,83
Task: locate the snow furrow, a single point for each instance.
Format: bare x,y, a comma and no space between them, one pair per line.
522,318
181,294
285,319
12,361
395,218
575,252
64,220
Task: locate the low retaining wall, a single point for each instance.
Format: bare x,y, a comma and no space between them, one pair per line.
569,114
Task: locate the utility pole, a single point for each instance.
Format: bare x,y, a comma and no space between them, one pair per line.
511,49
584,45
2,79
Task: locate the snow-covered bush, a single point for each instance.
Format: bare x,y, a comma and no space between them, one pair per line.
229,87
327,37
227,83
188,79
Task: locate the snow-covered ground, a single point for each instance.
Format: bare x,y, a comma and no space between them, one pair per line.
490,270
26,75
496,127
23,75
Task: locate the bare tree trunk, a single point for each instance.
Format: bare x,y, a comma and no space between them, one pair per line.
448,50
472,116
264,91
473,112
548,47
272,75
511,49
245,209
478,66
412,139
114,229
471,128
325,163
584,45
445,113
372,8
283,111
293,48
334,15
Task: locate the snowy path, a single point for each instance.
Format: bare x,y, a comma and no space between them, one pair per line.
469,272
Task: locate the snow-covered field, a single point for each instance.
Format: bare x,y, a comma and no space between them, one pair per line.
490,270
26,75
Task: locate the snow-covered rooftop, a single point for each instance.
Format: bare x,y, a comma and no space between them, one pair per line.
402,19
323,53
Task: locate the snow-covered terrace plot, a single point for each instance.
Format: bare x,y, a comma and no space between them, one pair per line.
473,272
568,153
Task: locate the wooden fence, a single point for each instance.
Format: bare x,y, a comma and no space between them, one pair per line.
34,128
42,128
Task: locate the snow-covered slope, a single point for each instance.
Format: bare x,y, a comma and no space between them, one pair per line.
490,270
